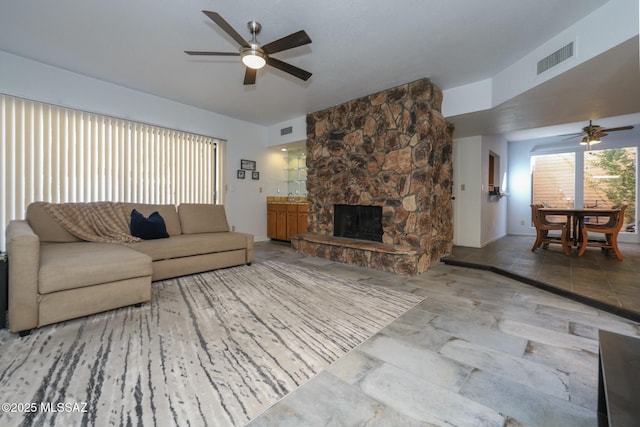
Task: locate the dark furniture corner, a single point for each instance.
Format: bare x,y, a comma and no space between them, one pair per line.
4,289
619,385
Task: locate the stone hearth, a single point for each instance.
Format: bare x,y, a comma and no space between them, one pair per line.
392,149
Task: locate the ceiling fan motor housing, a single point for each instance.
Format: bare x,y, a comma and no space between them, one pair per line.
254,28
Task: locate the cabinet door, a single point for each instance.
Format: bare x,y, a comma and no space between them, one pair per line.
292,220
271,223
281,225
292,224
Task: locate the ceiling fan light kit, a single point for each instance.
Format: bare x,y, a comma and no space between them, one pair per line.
593,134
590,140
255,56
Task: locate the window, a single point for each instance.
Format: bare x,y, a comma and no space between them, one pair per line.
604,178
55,154
553,179
610,179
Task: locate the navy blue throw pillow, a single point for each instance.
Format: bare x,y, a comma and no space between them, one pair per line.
148,228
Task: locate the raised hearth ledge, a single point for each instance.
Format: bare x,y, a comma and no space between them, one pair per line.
399,259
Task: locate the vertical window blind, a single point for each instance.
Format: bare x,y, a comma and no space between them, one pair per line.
55,154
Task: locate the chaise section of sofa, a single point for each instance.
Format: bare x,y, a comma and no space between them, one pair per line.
56,276
51,281
82,278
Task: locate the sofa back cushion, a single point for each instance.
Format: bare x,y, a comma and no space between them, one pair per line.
47,228
202,218
168,213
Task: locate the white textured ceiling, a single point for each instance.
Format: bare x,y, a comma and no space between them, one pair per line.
359,47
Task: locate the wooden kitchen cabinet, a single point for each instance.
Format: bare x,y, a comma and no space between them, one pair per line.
292,220
271,221
281,222
285,220
277,221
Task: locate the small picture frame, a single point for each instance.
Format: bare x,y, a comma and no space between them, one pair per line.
249,165
240,174
255,175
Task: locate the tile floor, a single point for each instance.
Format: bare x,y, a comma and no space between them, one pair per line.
481,350
594,275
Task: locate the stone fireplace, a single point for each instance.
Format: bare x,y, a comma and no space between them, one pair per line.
391,150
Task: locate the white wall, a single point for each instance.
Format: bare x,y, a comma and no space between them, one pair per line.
245,204
467,169
616,22
479,219
298,127
519,185
494,208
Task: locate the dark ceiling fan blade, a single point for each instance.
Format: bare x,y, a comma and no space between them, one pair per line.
616,129
288,42
288,68
250,76
215,17
192,52
572,135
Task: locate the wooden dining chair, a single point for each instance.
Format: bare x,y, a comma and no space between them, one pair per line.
610,230
543,226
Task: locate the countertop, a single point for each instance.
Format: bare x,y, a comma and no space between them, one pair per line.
287,200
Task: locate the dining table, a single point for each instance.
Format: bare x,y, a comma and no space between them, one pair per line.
576,218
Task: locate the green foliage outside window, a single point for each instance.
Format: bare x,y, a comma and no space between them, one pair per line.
619,163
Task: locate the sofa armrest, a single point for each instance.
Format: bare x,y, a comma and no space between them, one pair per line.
249,248
23,252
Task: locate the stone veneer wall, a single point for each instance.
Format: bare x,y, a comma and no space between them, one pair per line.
391,149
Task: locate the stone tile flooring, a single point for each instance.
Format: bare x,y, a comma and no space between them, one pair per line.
481,350
593,275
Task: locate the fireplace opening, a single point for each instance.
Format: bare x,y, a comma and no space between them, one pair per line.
358,222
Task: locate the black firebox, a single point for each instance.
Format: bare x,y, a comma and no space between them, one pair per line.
358,222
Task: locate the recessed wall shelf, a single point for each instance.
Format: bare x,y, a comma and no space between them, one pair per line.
296,172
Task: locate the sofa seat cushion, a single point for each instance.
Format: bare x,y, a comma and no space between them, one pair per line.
191,244
75,265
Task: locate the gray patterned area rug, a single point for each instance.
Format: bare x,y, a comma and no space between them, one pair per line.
215,348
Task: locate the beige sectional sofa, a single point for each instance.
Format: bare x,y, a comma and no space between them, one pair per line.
56,276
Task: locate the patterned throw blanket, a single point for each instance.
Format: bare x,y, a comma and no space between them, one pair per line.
105,222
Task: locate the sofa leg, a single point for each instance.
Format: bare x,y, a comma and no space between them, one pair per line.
24,333
138,304
248,263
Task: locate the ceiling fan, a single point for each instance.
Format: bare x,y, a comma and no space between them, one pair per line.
254,55
594,133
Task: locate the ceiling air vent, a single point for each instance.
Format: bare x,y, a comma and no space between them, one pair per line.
555,58
286,131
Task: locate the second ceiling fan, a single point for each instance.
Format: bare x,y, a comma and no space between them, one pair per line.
594,133
255,56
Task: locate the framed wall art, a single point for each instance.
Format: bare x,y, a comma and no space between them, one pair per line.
240,174
255,175
248,165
